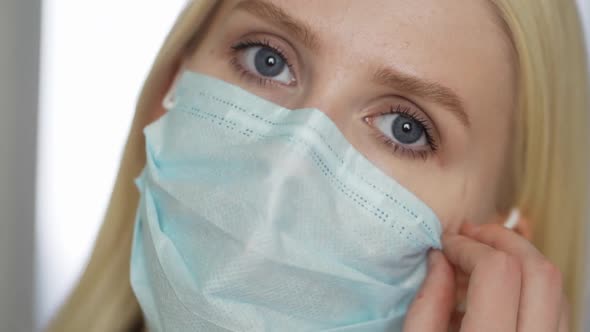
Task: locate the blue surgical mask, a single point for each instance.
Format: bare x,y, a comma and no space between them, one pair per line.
254,217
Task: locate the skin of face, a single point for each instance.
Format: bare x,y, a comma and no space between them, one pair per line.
335,48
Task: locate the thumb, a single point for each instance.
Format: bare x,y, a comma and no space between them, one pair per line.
431,309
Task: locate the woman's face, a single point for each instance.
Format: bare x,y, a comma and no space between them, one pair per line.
422,88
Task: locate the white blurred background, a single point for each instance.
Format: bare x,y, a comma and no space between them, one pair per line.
94,58
73,105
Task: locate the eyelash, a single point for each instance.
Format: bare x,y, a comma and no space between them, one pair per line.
398,149
393,146
245,73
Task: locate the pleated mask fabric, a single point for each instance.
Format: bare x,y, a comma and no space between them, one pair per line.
254,217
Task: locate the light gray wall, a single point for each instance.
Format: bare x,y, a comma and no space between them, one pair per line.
19,58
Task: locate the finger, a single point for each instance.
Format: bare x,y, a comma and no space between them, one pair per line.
541,280
431,309
493,294
501,238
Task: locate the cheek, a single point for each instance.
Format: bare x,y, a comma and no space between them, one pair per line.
468,190
467,187
457,198
472,186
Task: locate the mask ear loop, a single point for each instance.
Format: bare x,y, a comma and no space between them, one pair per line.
169,100
513,219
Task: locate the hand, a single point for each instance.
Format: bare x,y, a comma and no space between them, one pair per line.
512,286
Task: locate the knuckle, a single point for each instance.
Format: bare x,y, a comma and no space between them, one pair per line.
549,272
504,263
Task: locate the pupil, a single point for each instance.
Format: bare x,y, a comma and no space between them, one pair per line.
407,127
268,63
406,130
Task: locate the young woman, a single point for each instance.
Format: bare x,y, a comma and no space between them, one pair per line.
477,108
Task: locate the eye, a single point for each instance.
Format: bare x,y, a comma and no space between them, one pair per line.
405,131
402,129
264,61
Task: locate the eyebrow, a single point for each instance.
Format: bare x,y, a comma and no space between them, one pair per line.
421,88
277,16
384,76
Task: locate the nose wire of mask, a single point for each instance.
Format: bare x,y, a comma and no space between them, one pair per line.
254,217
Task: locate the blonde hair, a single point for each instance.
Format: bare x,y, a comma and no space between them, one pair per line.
551,159
550,164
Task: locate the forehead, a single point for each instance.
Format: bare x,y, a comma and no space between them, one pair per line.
461,43
395,26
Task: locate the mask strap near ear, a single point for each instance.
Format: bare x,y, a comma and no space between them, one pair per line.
513,219
169,100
